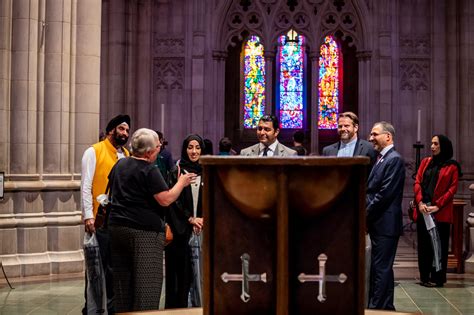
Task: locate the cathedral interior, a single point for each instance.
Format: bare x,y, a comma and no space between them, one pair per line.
212,67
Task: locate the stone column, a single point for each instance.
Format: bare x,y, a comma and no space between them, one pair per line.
5,73
57,57
269,58
364,64
144,68
314,59
23,105
104,64
450,115
39,217
131,74
218,74
464,151
115,76
86,102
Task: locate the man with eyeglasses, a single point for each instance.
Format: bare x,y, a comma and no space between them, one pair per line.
384,214
267,132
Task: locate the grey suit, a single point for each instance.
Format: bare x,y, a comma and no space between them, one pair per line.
362,148
280,150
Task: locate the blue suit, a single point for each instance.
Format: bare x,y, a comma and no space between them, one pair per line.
384,223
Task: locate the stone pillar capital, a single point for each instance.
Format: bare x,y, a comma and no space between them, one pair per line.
363,55
219,55
313,55
269,55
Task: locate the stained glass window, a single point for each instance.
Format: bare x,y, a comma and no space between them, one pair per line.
330,80
254,82
291,60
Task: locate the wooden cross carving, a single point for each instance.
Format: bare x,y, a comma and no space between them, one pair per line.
245,277
322,278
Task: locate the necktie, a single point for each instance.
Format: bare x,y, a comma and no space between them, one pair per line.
265,151
379,157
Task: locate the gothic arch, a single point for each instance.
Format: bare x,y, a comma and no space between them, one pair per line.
271,18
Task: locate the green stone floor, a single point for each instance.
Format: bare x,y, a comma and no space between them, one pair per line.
64,295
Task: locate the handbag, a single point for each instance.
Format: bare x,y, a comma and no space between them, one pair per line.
168,234
412,207
103,210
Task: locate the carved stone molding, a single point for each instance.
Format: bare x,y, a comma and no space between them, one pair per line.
219,55
364,55
173,47
415,74
412,47
270,18
168,73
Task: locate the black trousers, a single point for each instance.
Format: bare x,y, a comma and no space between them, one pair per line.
178,272
425,251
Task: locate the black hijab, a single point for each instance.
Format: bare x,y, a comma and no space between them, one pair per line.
431,174
185,163
446,153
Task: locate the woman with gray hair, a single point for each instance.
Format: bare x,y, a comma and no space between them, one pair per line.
136,223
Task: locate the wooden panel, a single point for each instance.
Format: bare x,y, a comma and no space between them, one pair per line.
284,213
456,255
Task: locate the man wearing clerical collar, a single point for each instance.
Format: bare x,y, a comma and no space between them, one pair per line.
267,132
349,144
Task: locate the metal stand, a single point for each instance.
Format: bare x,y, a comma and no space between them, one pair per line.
417,146
5,275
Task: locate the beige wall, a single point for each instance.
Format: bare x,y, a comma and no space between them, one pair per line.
49,113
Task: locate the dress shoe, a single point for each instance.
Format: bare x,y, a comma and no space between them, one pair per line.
428,284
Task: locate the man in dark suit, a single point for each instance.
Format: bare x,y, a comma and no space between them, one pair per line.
267,132
384,214
349,144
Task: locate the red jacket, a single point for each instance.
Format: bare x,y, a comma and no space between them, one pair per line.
443,196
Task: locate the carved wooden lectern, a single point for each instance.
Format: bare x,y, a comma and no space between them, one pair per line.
284,235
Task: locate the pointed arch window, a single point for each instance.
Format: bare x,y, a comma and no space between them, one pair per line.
330,83
290,100
254,82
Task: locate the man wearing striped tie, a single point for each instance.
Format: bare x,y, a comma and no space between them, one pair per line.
267,132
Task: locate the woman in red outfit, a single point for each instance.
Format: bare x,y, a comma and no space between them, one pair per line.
435,185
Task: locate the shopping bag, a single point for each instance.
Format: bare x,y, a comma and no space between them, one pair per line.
368,254
96,290
432,229
195,292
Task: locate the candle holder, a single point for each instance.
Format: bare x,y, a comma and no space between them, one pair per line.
417,146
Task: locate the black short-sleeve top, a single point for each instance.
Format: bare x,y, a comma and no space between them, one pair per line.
134,183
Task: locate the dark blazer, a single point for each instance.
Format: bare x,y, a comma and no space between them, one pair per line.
362,148
385,194
181,210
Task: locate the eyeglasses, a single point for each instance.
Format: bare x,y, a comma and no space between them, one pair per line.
374,134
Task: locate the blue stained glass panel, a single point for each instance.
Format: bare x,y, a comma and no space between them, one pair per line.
291,60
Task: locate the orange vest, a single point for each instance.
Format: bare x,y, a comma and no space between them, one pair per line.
105,159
